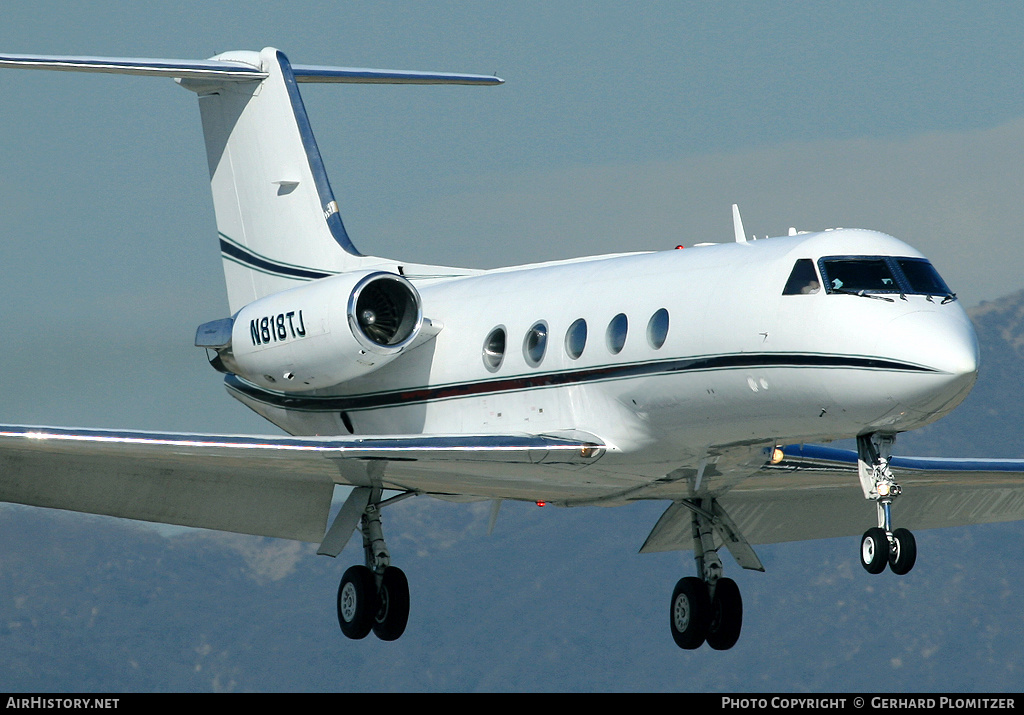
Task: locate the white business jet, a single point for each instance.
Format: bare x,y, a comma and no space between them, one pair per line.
679,376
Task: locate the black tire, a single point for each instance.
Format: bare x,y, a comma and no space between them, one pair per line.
874,550
392,605
726,615
357,602
904,552
689,612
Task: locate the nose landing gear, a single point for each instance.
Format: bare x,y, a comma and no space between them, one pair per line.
881,544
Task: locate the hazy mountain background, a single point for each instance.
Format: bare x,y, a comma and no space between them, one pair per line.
555,599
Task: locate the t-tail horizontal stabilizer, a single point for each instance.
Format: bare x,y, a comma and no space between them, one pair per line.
222,68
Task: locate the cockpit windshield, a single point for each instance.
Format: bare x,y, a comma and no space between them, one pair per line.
856,274
922,277
863,275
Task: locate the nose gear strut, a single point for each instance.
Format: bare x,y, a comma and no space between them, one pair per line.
881,544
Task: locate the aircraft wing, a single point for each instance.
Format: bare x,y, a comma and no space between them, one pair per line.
283,486
814,493
268,486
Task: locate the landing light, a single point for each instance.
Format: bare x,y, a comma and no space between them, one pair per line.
777,455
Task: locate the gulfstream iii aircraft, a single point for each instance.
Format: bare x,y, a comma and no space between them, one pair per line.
699,377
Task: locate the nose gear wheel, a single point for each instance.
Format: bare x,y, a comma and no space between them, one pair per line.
903,553
874,550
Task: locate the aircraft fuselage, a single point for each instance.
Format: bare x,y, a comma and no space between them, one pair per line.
710,353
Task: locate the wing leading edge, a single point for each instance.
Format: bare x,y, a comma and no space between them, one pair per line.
268,486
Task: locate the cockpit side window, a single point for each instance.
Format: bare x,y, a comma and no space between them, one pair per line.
856,274
803,280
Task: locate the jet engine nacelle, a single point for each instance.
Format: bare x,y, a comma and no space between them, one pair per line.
325,332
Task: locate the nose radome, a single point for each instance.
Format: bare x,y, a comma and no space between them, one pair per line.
944,341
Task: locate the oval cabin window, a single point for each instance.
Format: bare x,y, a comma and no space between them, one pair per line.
616,334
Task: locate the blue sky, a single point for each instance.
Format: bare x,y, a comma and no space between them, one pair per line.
621,126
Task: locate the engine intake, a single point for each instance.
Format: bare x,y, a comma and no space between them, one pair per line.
384,312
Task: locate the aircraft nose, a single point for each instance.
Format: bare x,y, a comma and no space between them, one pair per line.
942,340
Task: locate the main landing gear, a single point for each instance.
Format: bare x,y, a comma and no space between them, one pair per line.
882,545
374,596
706,608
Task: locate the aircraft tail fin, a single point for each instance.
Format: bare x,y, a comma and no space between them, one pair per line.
277,218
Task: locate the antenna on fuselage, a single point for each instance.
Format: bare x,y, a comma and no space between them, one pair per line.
737,225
